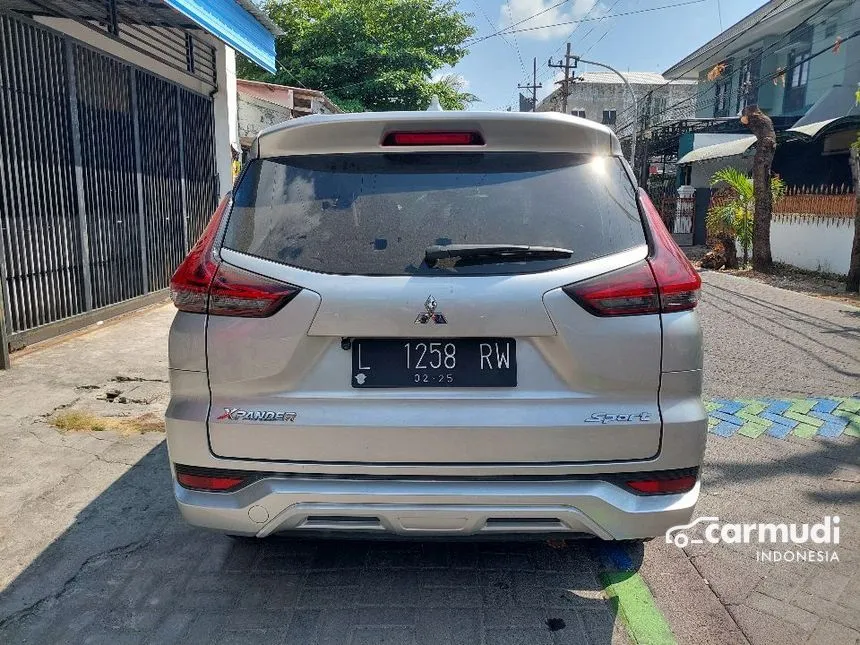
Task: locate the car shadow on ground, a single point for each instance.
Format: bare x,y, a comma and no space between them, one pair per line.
832,464
129,570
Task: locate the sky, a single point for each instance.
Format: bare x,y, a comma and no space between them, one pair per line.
643,42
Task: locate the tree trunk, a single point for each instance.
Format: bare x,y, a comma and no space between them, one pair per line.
762,127
852,284
730,251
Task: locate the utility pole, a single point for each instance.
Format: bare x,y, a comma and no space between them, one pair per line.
565,84
534,87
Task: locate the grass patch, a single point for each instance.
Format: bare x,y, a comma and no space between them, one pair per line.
84,421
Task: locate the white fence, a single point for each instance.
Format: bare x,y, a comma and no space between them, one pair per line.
813,242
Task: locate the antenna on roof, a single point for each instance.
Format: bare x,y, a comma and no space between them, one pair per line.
434,105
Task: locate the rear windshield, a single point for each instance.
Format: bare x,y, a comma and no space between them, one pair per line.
375,214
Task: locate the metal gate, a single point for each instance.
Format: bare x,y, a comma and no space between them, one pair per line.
107,176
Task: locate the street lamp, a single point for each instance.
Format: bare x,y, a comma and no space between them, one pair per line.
632,96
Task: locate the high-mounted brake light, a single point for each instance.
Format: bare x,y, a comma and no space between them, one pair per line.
203,284
663,283
433,139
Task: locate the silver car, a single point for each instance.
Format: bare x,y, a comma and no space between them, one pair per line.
436,324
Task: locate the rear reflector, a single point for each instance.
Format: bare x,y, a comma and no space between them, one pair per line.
664,283
663,486
433,139
208,482
204,284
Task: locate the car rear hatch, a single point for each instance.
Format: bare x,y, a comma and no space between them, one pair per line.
367,348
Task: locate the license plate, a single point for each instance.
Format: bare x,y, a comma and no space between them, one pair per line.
447,362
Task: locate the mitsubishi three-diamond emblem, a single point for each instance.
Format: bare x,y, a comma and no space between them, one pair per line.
430,314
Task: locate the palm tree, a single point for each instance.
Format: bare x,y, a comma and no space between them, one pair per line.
730,220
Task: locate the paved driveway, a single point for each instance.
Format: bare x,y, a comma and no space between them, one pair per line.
92,549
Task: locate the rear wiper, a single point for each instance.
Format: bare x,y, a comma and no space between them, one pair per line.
494,252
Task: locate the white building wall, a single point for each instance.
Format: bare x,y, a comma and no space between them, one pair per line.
224,102
254,115
816,243
702,171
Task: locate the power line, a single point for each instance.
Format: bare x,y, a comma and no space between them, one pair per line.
726,44
516,42
508,30
593,45
503,31
722,48
570,35
506,41
759,54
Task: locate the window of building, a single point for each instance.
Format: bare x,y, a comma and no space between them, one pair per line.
749,80
796,78
722,93
580,113
609,117
830,30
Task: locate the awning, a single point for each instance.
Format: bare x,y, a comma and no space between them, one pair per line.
827,126
838,102
229,21
719,150
811,129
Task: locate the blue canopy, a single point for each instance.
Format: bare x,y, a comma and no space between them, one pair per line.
229,21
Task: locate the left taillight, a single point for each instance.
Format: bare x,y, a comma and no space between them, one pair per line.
204,284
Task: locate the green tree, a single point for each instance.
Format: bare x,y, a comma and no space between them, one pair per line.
375,55
731,219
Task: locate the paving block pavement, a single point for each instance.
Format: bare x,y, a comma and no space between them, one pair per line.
92,549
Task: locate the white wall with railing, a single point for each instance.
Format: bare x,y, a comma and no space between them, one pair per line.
813,242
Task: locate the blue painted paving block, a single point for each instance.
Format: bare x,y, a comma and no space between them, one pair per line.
728,418
781,426
725,429
723,419
826,405
777,407
619,557
729,407
833,425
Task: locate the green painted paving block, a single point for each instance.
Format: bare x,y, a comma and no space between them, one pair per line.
710,406
803,406
753,429
853,427
804,430
633,602
752,417
753,407
803,418
850,405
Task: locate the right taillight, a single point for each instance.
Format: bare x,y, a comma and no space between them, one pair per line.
664,283
204,284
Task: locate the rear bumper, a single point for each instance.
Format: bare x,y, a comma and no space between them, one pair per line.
435,508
